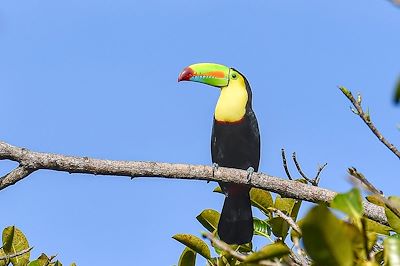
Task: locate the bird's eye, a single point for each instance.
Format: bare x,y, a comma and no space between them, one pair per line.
234,76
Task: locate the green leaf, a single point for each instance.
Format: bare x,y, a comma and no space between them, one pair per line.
195,243
391,251
245,248
225,260
379,257
261,227
56,263
218,190
209,219
73,264
43,260
393,220
37,263
212,262
3,262
376,227
375,199
261,199
395,236
284,204
279,227
349,203
326,238
345,91
288,206
14,241
275,250
188,258
21,262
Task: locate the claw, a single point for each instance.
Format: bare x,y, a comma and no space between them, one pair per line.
215,167
250,172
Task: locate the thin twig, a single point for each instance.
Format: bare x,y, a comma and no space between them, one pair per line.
353,172
314,181
319,172
222,245
239,256
359,176
285,165
286,188
288,219
367,120
299,168
22,252
299,259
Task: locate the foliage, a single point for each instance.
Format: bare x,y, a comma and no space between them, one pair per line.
15,251
323,237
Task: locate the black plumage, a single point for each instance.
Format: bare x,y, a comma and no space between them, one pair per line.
236,145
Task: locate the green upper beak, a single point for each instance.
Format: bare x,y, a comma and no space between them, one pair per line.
208,73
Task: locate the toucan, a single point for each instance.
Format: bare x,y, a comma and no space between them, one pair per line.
235,143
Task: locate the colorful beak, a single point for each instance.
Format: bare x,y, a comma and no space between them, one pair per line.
207,73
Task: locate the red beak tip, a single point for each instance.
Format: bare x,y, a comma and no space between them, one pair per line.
186,74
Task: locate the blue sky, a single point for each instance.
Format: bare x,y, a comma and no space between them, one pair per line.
99,79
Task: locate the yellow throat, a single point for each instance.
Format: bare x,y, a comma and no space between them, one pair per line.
231,105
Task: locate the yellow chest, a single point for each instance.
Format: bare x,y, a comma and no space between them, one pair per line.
231,105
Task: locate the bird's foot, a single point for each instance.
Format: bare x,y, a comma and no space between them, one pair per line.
215,167
250,172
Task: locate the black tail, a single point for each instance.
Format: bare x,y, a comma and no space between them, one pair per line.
236,222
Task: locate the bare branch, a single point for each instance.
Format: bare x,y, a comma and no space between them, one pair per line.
365,116
354,173
239,256
313,181
288,219
222,245
286,188
301,258
14,176
22,252
285,165
299,168
322,167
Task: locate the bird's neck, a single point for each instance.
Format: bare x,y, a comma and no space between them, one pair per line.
231,105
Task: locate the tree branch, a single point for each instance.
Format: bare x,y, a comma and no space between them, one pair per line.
285,164
288,219
354,173
239,256
14,176
22,252
225,247
367,120
286,188
314,181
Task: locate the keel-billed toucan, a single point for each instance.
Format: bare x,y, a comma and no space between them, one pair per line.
235,143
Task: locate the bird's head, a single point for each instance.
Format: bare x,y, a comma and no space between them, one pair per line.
235,96
211,74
